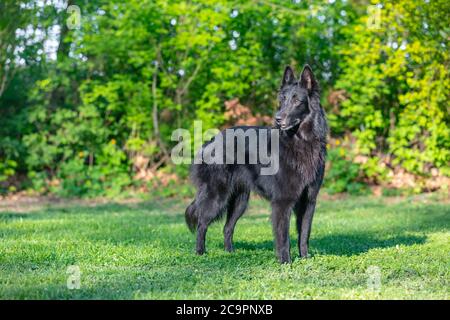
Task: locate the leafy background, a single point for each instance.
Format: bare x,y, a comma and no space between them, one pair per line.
89,111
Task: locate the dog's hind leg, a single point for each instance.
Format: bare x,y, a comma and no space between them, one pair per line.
236,208
210,209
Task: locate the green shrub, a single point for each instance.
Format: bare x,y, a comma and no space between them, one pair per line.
58,116
396,87
7,170
342,175
174,188
108,177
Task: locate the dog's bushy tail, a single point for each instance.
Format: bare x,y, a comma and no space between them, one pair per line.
191,216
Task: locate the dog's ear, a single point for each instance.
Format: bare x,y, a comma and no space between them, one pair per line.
288,77
308,81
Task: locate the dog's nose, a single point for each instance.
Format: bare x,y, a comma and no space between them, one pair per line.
278,118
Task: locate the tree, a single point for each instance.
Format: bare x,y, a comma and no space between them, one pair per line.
397,81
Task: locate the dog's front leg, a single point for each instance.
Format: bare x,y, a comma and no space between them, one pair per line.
281,212
306,222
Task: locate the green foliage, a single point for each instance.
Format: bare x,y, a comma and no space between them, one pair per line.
397,80
173,189
7,170
375,169
134,71
107,177
343,175
144,251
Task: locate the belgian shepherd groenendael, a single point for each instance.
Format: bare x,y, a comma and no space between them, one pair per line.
302,151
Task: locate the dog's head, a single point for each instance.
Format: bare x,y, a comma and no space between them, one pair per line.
295,97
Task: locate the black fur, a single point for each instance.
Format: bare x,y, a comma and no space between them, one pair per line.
225,188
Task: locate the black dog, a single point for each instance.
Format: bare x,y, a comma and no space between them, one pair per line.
302,151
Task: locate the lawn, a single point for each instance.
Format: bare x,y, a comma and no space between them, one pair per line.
143,250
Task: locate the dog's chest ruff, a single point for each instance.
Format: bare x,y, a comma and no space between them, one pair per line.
309,160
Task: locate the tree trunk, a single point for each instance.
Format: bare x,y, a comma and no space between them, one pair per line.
57,97
155,119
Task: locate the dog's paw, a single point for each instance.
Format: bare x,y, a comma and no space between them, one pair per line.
200,252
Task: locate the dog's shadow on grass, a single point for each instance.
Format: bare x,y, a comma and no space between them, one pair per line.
355,244
340,244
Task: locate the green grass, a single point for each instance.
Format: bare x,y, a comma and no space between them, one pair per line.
144,251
